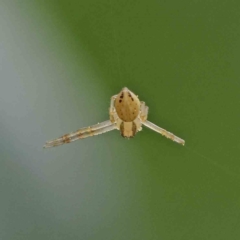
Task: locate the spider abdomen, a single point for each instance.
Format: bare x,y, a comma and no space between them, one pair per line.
127,105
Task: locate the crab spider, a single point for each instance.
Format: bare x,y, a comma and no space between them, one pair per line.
127,114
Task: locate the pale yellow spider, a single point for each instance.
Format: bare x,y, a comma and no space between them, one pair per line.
127,114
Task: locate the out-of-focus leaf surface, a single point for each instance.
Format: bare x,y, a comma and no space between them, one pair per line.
61,61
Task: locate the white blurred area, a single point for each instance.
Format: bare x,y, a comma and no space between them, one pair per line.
47,90
45,87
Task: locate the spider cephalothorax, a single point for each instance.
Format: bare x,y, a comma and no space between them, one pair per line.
126,113
128,129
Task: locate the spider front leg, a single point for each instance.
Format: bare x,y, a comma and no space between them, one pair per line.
163,132
82,133
145,122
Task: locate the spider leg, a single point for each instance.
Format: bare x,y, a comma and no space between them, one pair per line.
143,111
82,133
163,132
112,112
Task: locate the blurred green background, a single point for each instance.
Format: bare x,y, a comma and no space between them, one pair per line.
61,61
